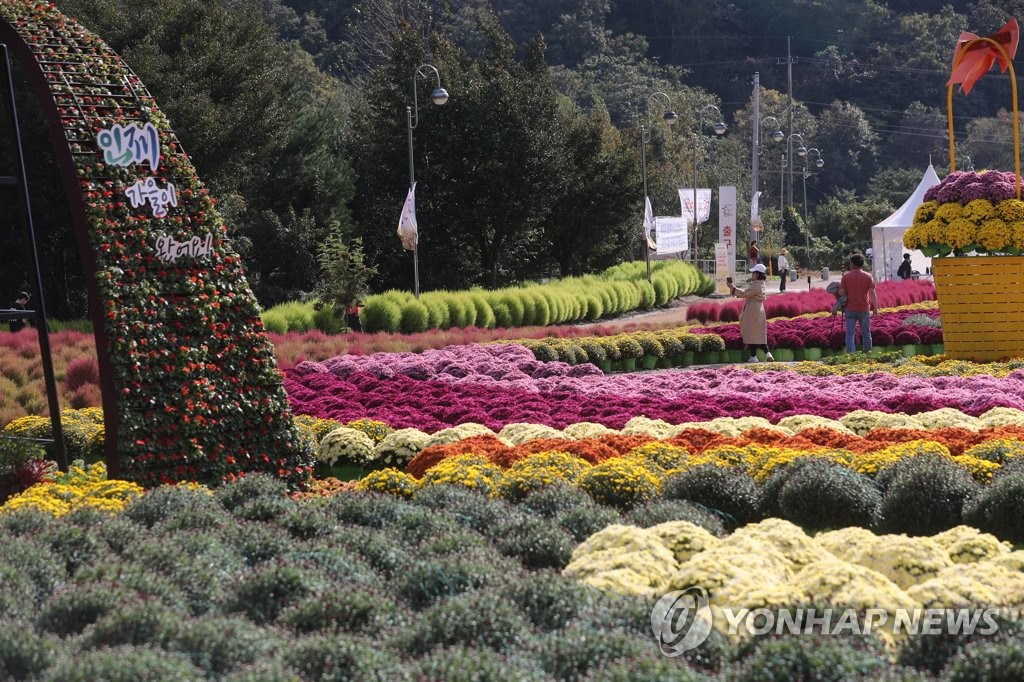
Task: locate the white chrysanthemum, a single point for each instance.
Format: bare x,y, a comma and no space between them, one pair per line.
519,433
717,568
643,426
624,580
845,542
760,595
399,447
585,430
966,545
896,420
1002,416
904,560
984,584
346,445
684,539
949,417
800,422
725,426
862,421
453,434
603,557
1013,561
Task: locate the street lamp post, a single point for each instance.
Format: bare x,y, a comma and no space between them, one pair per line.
801,151
645,137
439,96
719,128
815,153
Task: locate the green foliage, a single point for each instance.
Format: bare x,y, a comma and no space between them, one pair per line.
326,657
380,315
723,491
415,318
124,664
825,658
344,274
924,495
536,542
463,663
480,618
999,508
822,495
660,511
23,652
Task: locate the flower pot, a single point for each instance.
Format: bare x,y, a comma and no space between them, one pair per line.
909,350
812,354
628,364
707,358
798,354
606,366
784,354
736,355
649,361
688,358
617,365
938,349
982,306
665,362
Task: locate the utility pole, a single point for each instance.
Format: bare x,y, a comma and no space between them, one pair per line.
789,90
755,162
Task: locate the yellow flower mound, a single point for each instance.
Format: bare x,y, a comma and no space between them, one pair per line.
985,583
453,434
540,470
801,422
733,569
796,546
392,481
904,560
966,545
684,539
658,455
470,471
642,426
581,430
521,432
77,488
844,584
844,543
1013,561
620,482
624,560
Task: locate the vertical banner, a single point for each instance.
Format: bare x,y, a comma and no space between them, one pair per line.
755,214
723,267
727,222
703,204
649,223
408,231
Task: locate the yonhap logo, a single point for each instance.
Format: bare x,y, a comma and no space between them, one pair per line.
681,620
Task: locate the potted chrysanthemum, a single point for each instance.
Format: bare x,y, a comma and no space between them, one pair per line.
972,225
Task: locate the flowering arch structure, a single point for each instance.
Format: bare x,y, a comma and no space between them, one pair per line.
190,385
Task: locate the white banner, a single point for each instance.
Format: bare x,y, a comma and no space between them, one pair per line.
703,204
727,222
723,267
649,223
408,231
755,212
672,234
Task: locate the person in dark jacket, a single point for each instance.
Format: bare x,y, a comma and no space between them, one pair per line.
19,304
904,271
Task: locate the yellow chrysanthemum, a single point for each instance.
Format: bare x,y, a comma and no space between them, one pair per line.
1010,210
961,232
979,210
925,212
995,235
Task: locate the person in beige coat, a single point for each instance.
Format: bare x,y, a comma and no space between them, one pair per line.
753,322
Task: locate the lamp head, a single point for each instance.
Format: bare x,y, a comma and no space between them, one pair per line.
439,96
719,128
670,117
778,136
820,163
801,151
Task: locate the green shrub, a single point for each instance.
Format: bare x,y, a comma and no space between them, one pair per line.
140,624
549,600
805,658
451,542
124,664
924,495
24,653
999,508
481,618
378,314
160,504
263,594
357,608
502,315
469,508
732,494
933,651
74,545
585,520
709,343
274,321
328,319
472,664
248,488
457,314
266,670
415,318
380,549
825,495
549,501
516,308
24,521
70,611
485,318
437,312
648,296
256,542
200,518
219,644
428,580
541,308
537,542
330,658
645,670
570,653
660,511
371,509
988,662
34,561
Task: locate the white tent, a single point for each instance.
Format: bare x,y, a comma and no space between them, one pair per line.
887,236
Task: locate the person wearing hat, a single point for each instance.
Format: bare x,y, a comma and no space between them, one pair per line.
783,269
19,304
753,321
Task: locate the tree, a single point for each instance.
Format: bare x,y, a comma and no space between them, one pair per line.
345,275
852,148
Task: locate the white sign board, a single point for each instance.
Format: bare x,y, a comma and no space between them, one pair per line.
727,222
703,204
672,234
723,267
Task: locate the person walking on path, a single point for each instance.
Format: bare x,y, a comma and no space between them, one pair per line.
753,254
19,304
753,321
905,270
861,300
783,269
